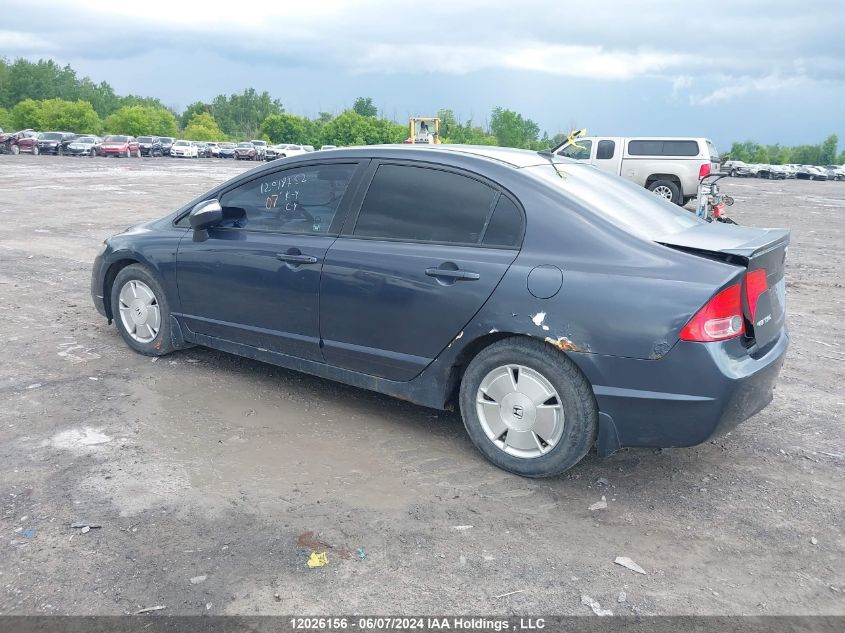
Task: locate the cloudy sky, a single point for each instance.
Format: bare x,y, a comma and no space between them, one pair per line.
769,70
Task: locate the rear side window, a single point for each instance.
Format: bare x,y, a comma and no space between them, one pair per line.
505,227
605,150
663,148
424,205
297,200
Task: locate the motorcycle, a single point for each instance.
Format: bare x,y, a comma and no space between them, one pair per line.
712,203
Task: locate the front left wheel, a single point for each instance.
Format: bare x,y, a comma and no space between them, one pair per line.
141,312
528,408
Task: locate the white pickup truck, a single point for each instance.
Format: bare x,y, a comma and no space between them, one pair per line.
669,166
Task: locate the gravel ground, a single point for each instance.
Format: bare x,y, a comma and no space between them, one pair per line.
212,478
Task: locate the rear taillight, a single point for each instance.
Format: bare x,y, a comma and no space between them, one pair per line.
719,319
755,285
704,170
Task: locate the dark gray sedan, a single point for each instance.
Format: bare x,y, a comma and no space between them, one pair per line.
559,308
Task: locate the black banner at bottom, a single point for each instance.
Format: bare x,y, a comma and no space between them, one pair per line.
152,623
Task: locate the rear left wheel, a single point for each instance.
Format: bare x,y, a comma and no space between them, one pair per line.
528,408
666,189
141,312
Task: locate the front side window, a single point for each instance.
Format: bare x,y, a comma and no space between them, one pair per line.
299,200
420,204
605,150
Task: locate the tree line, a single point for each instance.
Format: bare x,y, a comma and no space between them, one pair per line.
46,96
822,154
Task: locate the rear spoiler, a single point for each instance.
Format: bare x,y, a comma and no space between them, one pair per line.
739,241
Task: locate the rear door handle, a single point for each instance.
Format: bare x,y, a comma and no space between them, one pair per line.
296,258
448,273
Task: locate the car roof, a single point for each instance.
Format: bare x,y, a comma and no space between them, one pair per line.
517,158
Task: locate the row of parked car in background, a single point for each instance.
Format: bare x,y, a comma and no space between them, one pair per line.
740,169
121,145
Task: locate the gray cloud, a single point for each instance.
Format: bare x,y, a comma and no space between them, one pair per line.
746,46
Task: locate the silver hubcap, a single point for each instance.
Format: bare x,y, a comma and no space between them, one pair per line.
663,191
520,411
139,311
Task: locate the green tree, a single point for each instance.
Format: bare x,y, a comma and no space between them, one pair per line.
449,125
806,154
5,119
69,116
26,114
240,116
761,155
138,120
827,151
365,107
348,128
195,108
203,127
286,128
385,131
512,130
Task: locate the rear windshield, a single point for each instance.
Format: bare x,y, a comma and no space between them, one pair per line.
663,148
628,206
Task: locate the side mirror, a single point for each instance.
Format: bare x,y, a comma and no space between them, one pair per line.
205,215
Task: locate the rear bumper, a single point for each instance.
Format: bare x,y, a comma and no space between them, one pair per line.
696,391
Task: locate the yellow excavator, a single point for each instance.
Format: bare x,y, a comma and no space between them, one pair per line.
423,129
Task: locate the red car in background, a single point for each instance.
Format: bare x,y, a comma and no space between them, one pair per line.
23,141
120,145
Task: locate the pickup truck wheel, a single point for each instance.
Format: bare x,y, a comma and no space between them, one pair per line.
666,189
528,408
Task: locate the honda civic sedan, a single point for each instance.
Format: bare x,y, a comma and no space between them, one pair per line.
556,307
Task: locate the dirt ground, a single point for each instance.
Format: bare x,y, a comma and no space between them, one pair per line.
213,478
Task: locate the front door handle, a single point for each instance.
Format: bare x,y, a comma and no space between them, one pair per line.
296,258
448,273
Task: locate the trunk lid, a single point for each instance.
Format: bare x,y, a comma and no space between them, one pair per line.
755,249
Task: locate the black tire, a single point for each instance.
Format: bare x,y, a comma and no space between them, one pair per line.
35,150
578,402
676,196
162,344
733,173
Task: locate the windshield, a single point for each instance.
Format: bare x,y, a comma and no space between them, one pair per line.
244,144
84,139
258,143
227,145
145,139
166,139
626,205
182,143
579,150
51,136
117,139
